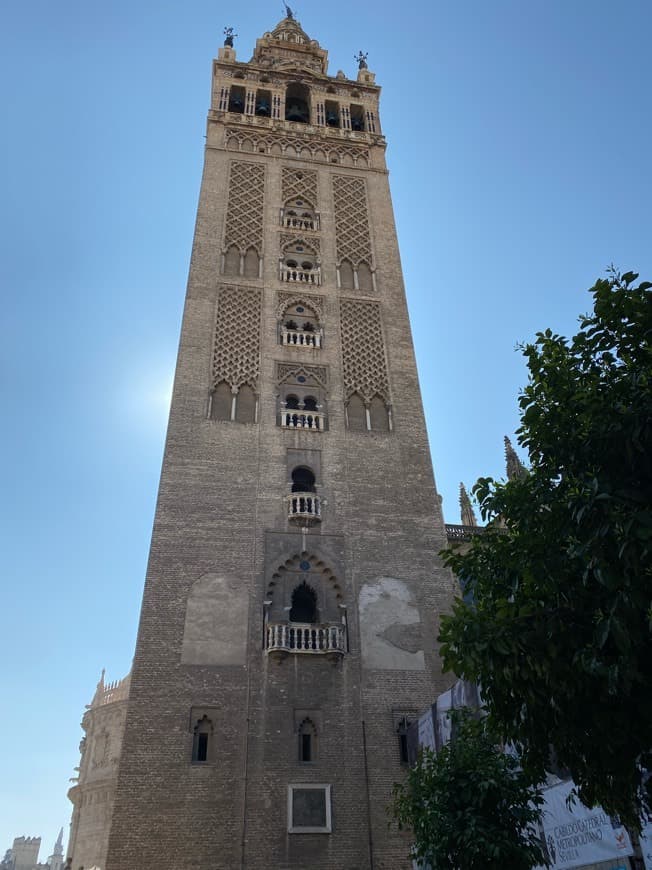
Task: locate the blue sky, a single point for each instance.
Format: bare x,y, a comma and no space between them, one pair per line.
519,150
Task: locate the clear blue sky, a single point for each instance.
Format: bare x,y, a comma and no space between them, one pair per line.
519,149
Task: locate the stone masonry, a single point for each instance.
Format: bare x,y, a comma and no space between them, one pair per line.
293,589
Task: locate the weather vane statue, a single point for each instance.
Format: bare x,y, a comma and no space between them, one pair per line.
229,36
361,58
288,12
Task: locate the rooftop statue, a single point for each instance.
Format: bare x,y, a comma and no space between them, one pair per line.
361,58
229,36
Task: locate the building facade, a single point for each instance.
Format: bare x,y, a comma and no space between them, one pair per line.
289,618
93,791
23,855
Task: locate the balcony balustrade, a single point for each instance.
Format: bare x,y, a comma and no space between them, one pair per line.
297,275
313,420
300,337
298,637
299,222
304,507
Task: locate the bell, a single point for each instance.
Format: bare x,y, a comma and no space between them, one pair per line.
236,104
296,112
332,120
356,124
262,108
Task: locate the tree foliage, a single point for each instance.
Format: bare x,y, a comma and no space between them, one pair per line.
469,806
557,626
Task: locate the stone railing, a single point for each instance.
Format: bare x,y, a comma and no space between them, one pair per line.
304,506
462,533
108,693
296,222
313,420
299,637
297,275
300,337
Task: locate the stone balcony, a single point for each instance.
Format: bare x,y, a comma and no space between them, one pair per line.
297,222
300,337
312,420
306,638
304,507
297,275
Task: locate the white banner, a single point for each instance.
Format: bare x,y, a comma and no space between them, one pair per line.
646,842
427,731
579,835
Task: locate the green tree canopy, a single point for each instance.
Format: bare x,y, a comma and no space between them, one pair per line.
469,806
557,626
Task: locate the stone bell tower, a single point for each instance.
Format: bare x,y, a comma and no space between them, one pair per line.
287,634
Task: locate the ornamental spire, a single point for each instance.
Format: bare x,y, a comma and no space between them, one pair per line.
514,466
466,508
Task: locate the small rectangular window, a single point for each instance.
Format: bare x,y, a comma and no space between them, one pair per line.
202,747
309,809
306,747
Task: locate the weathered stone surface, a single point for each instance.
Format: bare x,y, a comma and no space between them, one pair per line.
225,558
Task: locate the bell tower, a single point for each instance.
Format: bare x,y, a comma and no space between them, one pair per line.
287,633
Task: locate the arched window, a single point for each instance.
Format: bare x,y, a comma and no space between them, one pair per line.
303,480
263,103
292,402
251,263
346,275
237,99
232,261
310,403
357,117
356,413
201,741
365,281
297,103
245,405
300,326
307,742
298,214
304,604
332,114
378,415
221,402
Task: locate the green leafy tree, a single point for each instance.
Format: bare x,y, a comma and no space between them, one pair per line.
469,806
557,625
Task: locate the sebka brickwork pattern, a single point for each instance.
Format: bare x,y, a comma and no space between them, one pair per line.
363,350
236,349
351,219
244,216
299,184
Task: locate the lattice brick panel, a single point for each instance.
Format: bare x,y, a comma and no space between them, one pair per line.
284,370
244,215
363,350
351,219
299,184
236,351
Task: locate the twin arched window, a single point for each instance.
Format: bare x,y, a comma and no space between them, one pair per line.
239,406
364,416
